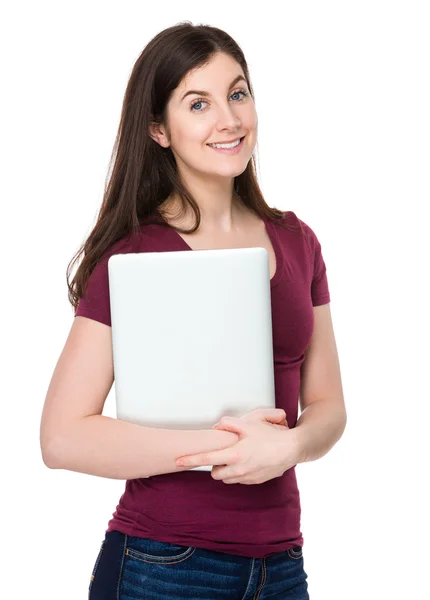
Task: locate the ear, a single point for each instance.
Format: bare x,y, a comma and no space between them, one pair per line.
158,133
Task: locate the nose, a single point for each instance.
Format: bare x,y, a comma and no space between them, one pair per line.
227,118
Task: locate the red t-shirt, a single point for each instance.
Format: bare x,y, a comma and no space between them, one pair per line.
190,508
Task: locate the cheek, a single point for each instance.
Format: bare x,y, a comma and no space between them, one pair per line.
194,133
251,120
251,125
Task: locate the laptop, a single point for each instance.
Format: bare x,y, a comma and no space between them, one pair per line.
191,335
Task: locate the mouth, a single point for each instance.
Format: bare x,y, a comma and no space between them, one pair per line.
233,148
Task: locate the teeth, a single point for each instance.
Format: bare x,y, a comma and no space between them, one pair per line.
232,145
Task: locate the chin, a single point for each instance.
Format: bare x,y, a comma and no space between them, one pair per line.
230,173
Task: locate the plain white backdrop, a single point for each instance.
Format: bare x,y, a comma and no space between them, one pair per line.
343,95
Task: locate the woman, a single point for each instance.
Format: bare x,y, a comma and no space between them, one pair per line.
181,533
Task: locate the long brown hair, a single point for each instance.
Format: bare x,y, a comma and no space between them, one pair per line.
143,173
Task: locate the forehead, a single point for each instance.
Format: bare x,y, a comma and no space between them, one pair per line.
214,76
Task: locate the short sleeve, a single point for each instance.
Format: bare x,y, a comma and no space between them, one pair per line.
320,292
319,289
95,303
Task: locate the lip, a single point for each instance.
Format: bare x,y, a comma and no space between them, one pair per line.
234,150
228,141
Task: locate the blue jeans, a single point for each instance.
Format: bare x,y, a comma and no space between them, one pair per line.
135,568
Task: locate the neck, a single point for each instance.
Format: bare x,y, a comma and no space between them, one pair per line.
220,213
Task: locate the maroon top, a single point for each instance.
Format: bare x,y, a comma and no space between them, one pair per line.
190,508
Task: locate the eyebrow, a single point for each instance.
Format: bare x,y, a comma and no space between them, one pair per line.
202,93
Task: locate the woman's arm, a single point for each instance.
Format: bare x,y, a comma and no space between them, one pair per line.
107,447
318,429
74,434
323,417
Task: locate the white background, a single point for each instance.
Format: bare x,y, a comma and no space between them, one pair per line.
343,96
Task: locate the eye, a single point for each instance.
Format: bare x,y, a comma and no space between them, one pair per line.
201,101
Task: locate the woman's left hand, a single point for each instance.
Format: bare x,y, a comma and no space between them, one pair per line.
264,451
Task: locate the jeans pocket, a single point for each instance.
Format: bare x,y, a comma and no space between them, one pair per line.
96,564
296,553
154,551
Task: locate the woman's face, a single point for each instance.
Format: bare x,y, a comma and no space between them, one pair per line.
212,104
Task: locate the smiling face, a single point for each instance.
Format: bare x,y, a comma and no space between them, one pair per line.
212,104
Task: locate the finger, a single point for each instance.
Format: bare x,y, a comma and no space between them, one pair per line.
279,417
233,424
221,473
270,415
275,415
219,457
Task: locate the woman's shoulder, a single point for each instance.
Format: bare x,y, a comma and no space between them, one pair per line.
289,221
293,222
293,230
139,240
